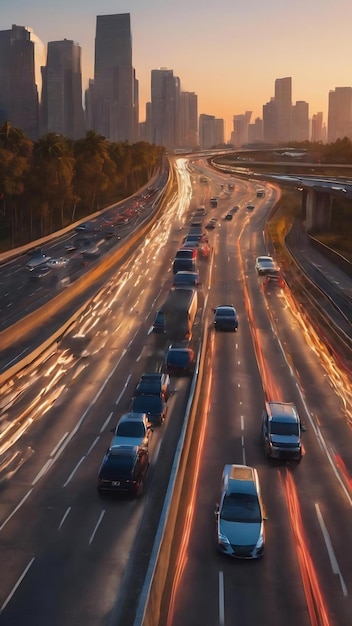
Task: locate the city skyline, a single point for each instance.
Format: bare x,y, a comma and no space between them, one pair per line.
230,58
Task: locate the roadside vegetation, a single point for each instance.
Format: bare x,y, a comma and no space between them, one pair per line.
48,184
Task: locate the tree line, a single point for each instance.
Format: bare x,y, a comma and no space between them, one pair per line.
48,184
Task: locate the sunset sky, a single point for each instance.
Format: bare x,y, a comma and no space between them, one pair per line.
228,52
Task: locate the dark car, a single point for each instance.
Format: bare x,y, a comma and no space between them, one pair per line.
225,317
281,431
184,279
184,265
153,384
228,216
250,207
159,322
239,514
155,407
123,470
40,273
179,360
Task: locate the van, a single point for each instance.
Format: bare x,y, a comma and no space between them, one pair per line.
281,431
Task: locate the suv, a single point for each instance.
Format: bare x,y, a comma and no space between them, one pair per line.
179,360
123,470
153,384
281,431
225,317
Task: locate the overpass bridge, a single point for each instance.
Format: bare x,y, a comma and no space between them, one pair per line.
318,192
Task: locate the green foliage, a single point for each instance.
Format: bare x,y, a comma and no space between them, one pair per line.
47,184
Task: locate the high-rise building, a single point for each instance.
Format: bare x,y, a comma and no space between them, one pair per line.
61,107
239,135
188,119
270,128
113,94
317,127
340,114
300,121
283,101
211,131
165,108
22,54
255,131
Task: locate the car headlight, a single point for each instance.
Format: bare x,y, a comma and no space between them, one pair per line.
223,539
260,542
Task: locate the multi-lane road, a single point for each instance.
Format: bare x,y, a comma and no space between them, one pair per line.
65,552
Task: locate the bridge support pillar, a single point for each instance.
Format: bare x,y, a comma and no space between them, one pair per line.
318,211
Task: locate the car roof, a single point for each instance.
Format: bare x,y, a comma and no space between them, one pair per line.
224,307
241,479
282,411
133,416
123,450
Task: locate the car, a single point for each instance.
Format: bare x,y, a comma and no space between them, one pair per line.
186,253
235,209
228,216
179,360
213,202
265,265
182,279
225,317
240,514
123,470
37,257
59,262
250,207
133,429
200,212
281,431
211,224
159,322
184,264
154,406
39,273
153,384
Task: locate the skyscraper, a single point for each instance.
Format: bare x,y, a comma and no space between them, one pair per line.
317,127
283,101
21,56
61,108
114,91
188,119
340,114
211,131
300,121
165,108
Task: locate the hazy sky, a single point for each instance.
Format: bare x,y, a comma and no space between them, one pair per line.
228,52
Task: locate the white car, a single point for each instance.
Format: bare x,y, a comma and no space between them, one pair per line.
133,429
60,262
265,265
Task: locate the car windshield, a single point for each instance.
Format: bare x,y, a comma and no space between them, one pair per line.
130,429
147,404
284,428
241,507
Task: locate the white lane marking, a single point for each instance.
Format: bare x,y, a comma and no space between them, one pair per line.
221,600
58,444
242,422
16,509
106,422
243,451
93,444
74,471
16,585
123,390
64,517
96,526
43,471
333,561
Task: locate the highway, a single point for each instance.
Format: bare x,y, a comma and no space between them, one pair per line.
66,551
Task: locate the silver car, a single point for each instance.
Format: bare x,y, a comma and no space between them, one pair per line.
239,515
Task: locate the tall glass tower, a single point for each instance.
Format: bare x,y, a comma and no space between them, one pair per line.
62,110
114,89
21,56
